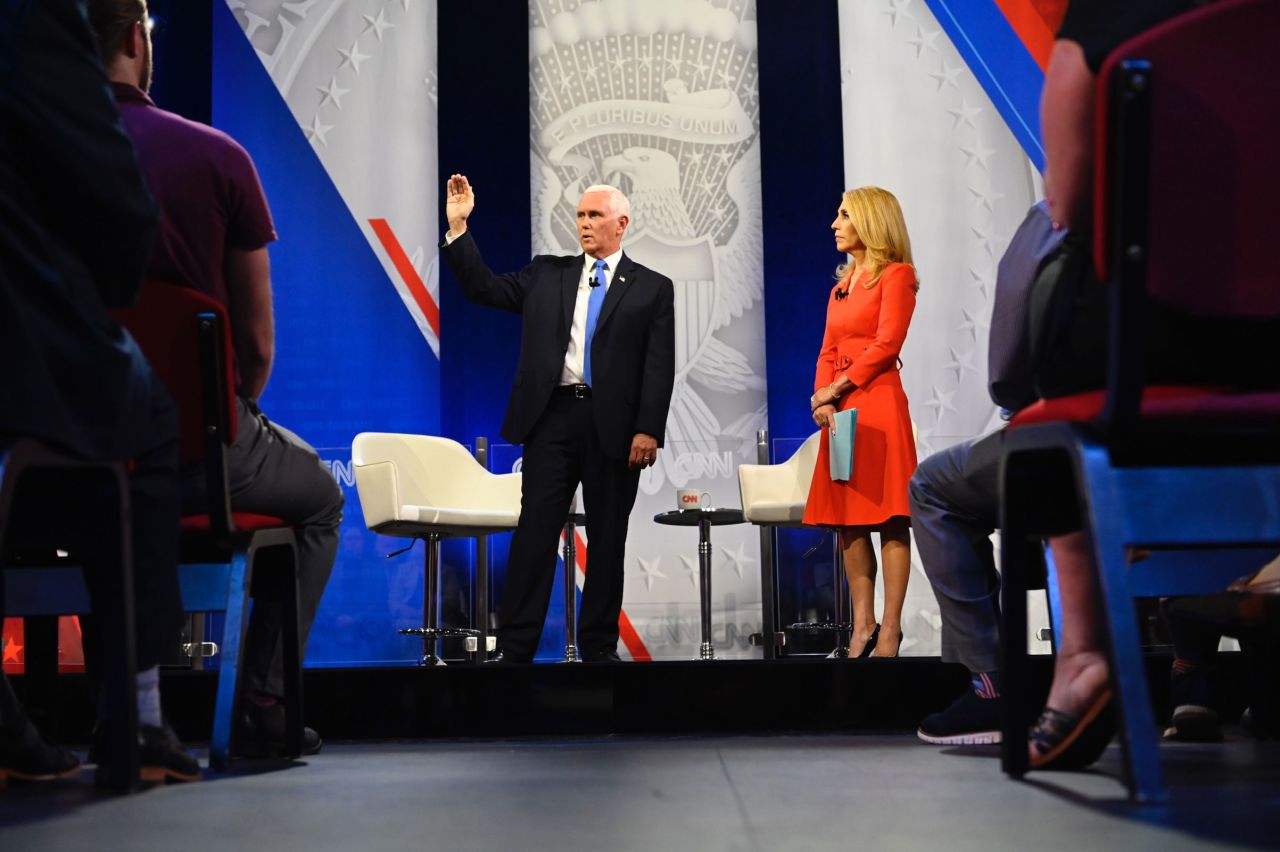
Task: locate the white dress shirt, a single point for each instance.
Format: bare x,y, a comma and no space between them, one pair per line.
576,353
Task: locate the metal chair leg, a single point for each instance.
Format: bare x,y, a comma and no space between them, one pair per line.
1143,771
287,590
841,604
239,581
1013,605
431,602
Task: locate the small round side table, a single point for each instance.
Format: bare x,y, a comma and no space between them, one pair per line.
704,520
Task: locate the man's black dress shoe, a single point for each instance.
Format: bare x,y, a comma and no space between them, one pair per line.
601,657
161,756
27,757
502,658
261,733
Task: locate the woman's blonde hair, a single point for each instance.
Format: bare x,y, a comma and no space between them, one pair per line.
877,217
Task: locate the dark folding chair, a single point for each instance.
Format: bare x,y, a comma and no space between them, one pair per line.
225,556
53,509
1185,214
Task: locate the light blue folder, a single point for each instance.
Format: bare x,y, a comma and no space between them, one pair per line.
842,445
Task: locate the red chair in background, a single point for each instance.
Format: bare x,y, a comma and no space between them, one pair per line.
1185,211
225,557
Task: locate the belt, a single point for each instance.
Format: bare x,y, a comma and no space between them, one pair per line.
575,391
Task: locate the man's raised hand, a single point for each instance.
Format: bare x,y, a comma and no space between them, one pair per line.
459,201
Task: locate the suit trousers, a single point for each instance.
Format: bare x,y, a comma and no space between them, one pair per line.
562,450
274,472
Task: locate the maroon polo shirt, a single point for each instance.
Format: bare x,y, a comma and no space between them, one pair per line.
208,190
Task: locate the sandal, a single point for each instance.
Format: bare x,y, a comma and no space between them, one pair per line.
1062,741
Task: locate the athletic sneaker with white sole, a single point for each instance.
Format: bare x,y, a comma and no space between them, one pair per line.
969,720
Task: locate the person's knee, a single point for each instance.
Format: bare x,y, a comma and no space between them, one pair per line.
337,501
328,501
920,487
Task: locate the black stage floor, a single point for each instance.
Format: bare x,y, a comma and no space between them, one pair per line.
735,755
467,700
719,697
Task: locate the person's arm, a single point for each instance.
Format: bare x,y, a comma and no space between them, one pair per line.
1066,124
480,284
897,304
658,379
825,370
248,276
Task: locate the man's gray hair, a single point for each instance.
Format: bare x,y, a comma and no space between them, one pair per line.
617,201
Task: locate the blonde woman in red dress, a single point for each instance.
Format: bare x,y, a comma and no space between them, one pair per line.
867,319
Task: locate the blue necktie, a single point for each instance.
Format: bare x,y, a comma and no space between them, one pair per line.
593,313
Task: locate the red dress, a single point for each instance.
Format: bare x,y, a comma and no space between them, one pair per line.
864,335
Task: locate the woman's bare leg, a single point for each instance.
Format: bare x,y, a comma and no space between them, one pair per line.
860,568
895,552
1081,671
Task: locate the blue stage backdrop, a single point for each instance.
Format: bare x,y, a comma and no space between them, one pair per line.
350,356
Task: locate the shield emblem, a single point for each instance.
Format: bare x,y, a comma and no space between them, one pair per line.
691,266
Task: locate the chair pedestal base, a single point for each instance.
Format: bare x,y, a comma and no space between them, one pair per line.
842,629
430,634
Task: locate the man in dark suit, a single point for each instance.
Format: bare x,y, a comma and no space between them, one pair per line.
589,404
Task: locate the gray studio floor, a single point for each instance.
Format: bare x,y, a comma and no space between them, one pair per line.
846,792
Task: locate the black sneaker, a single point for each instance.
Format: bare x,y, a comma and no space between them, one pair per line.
24,756
1260,724
969,720
1194,719
261,733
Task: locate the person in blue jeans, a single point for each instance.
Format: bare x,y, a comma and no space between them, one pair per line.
955,505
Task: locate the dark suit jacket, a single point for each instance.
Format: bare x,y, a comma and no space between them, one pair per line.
632,352
75,229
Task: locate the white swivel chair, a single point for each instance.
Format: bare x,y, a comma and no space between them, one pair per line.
773,495
422,486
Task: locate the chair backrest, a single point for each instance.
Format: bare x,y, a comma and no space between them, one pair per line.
167,323
434,471
1211,195
186,337
776,494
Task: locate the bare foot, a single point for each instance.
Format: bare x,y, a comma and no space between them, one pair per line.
1078,681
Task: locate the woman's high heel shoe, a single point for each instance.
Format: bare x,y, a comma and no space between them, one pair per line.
1062,741
871,644
895,652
